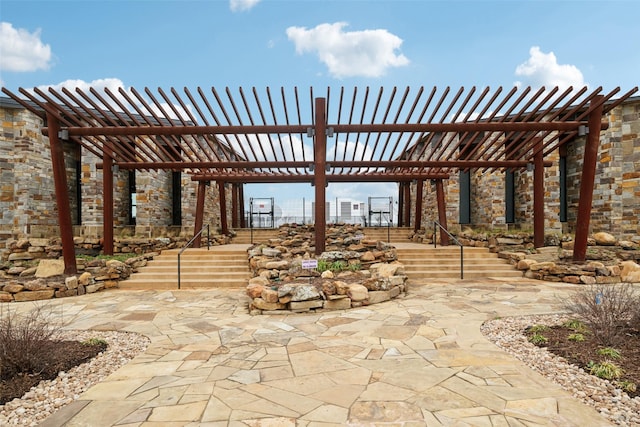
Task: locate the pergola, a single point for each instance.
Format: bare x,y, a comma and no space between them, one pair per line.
257,136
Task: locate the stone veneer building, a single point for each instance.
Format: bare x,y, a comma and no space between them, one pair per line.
146,203
157,203
504,200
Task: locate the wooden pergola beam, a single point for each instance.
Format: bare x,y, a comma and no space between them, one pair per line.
587,182
62,197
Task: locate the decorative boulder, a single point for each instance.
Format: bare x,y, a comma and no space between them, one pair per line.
604,239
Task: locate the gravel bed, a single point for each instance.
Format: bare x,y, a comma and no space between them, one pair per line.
611,402
49,396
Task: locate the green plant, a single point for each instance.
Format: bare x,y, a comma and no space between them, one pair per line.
323,265
538,339
118,257
609,352
95,341
535,329
355,266
575,325
338,266
577,337
606,370
628,386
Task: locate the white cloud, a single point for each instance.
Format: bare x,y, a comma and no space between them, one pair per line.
542,69
21,50
242,5
368,53
114,85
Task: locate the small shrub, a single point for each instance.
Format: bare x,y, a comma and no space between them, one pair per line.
338,266
606,370
628,386
356,266
577,337
575,325
536,329
95,341
610,353
323,265
538,339
605,308
26,340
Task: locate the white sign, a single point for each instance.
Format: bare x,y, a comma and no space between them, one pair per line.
309,263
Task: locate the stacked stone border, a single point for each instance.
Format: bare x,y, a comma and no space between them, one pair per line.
31,269
609,260
353,272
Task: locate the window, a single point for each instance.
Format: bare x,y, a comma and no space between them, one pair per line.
176,198
132,197
509,197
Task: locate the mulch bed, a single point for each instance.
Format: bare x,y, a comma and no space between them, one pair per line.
64,355
584,352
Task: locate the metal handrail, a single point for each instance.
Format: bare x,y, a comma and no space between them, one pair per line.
436,224
189,243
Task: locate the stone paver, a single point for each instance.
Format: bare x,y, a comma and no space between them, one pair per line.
415,361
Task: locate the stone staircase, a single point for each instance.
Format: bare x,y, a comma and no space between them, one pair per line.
243,235
223,266
392,234
424,262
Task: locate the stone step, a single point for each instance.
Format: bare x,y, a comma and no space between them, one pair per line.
184,284
218,266
427,263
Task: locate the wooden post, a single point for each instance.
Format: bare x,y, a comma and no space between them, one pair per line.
224,227
62,196
587,182
202,190
407,206
538,197
235,214
418,223
442,212
243,222
107,203
320,180
400,203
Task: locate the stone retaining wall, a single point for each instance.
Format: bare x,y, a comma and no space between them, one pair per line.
353,272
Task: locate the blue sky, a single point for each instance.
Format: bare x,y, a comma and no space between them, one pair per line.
171,43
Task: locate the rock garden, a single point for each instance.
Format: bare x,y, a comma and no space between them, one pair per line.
353,271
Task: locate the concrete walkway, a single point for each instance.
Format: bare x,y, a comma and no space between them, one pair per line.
416,361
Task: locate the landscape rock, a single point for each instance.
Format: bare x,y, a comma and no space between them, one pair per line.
604,239
50,267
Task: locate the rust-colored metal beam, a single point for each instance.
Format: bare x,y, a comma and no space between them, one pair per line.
62,196
401,203
442,213
320,182
538,199
241,203
418,216
377,177
199,217
222,195
407,207
234,205
339,128
107,204
587,181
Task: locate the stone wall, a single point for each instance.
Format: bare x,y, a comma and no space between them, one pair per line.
616,198
27,192
27,198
